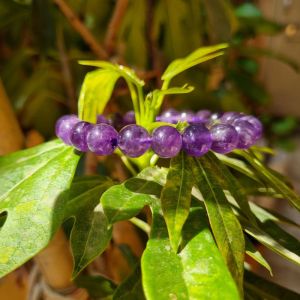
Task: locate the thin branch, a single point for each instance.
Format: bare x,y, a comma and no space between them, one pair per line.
114,25
84,32
67,75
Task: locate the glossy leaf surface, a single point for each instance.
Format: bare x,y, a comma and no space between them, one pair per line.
33,189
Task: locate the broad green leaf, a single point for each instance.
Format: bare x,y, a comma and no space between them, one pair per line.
33,185
95,92
272,179
198,56
176,197
124,201
131,288
197,272
225,225
98,287
256,255
264,289
90,234
120,70
230,183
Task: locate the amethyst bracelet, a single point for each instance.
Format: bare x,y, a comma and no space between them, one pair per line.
220,133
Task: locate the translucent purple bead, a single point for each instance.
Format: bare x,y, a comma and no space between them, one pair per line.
79,134
169,116
196,140
230,117
166,141
187,116
129,118
256,123
203,115
134,140
102,119
102,139
224,138
246,133
64,126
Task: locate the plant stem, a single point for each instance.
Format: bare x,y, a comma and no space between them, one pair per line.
135,101
141,224
141,103
128,165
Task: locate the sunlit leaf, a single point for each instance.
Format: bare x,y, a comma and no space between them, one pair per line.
225,225
198,56
176,197
95,92
33,189
124,201
197,272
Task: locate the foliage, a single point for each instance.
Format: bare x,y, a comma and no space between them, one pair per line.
203,220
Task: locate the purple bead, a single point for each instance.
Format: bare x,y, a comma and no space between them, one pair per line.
78,135
256,123
230,117
246,133
64,126
196,140
129,118
134,140
224,138
166,141
170,116
102,139
102,119
186,116
203,115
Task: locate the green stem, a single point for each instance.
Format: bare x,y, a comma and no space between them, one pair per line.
135,101
128,165
141,224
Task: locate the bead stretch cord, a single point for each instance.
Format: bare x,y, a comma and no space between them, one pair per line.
204,131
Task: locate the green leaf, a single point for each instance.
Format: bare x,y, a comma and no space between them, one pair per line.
277,244
122,71
197,272
198,56
131,288
256,255
225,225
271,178
230,183
124,201
90,234
176,197
95,92
33,186
98,287
264,289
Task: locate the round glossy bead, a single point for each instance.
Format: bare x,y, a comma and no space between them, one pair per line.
246,133
166,141
186,116
230,117
129,118
224,138
102,139
170,116
102,119
134,140
64,126
79,134
256,123
203,115
196,140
